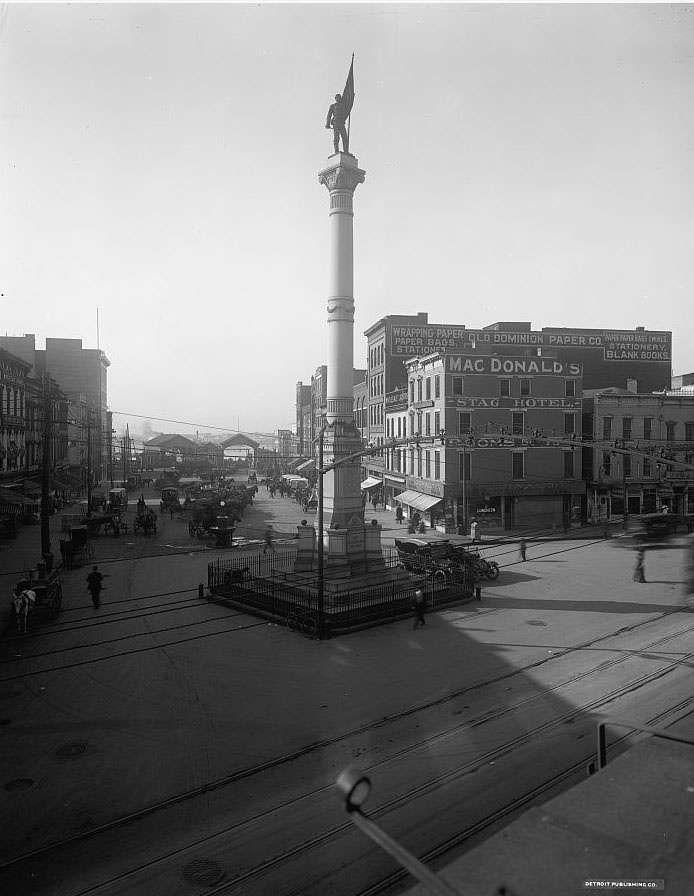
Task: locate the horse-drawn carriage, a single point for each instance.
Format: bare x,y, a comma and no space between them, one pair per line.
145,520
170,500
76,549
309,500
43,593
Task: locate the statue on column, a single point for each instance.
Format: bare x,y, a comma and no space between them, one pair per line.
340,111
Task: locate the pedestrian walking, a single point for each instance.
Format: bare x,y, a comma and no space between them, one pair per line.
94,584
398,514
374,501
268,540
522,549
639,571
473,531
419,606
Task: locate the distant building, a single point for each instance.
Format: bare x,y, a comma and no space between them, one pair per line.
644,446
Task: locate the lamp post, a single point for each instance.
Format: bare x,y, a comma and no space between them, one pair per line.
321,581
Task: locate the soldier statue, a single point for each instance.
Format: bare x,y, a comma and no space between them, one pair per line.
338,114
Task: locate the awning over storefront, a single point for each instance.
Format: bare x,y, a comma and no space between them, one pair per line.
370,481
418,500
306,465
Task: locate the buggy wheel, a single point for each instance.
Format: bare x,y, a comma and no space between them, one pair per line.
492,570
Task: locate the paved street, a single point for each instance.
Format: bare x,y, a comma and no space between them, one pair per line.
235,729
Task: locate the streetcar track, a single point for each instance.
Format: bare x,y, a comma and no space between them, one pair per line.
268,765
423,789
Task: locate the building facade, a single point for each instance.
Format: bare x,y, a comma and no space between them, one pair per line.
641,451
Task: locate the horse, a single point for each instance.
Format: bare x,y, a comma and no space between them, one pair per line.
23,602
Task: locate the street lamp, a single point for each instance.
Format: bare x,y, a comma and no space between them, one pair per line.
355,788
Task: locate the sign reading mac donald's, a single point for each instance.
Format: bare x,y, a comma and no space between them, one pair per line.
511,366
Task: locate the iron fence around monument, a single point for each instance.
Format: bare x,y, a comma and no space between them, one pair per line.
268,587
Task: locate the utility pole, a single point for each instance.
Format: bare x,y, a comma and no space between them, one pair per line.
89,462
321,586
624,490
46,468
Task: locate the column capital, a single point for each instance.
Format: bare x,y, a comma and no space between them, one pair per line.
343,173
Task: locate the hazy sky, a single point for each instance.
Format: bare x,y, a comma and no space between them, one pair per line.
159,163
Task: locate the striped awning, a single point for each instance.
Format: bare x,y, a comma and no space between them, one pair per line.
306,465
418,500
369,482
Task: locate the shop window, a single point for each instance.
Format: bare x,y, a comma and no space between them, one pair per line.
504,388
524,388
517,465
457,385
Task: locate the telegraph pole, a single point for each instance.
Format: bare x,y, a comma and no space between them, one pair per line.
46,468
89,462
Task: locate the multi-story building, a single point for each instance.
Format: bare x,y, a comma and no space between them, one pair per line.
304,415
81,377
489,439
14,373
642,446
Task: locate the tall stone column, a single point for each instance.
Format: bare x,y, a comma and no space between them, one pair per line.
343,513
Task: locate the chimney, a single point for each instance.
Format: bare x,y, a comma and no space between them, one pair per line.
632,386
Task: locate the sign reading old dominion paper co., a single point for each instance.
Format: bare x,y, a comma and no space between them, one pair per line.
608,357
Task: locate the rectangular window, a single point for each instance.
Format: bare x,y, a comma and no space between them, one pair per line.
568,465
457,385
411,461
607,463
670,431
427,464
689,432
427,423
399,427
419,389
570,388
524,388
648,427
464,471
626,460
607,428
437,464
518,465
626,427
504,388
646,467
464,423
569,424
411,391
437,422
419,463
517,424
428,389
437,386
